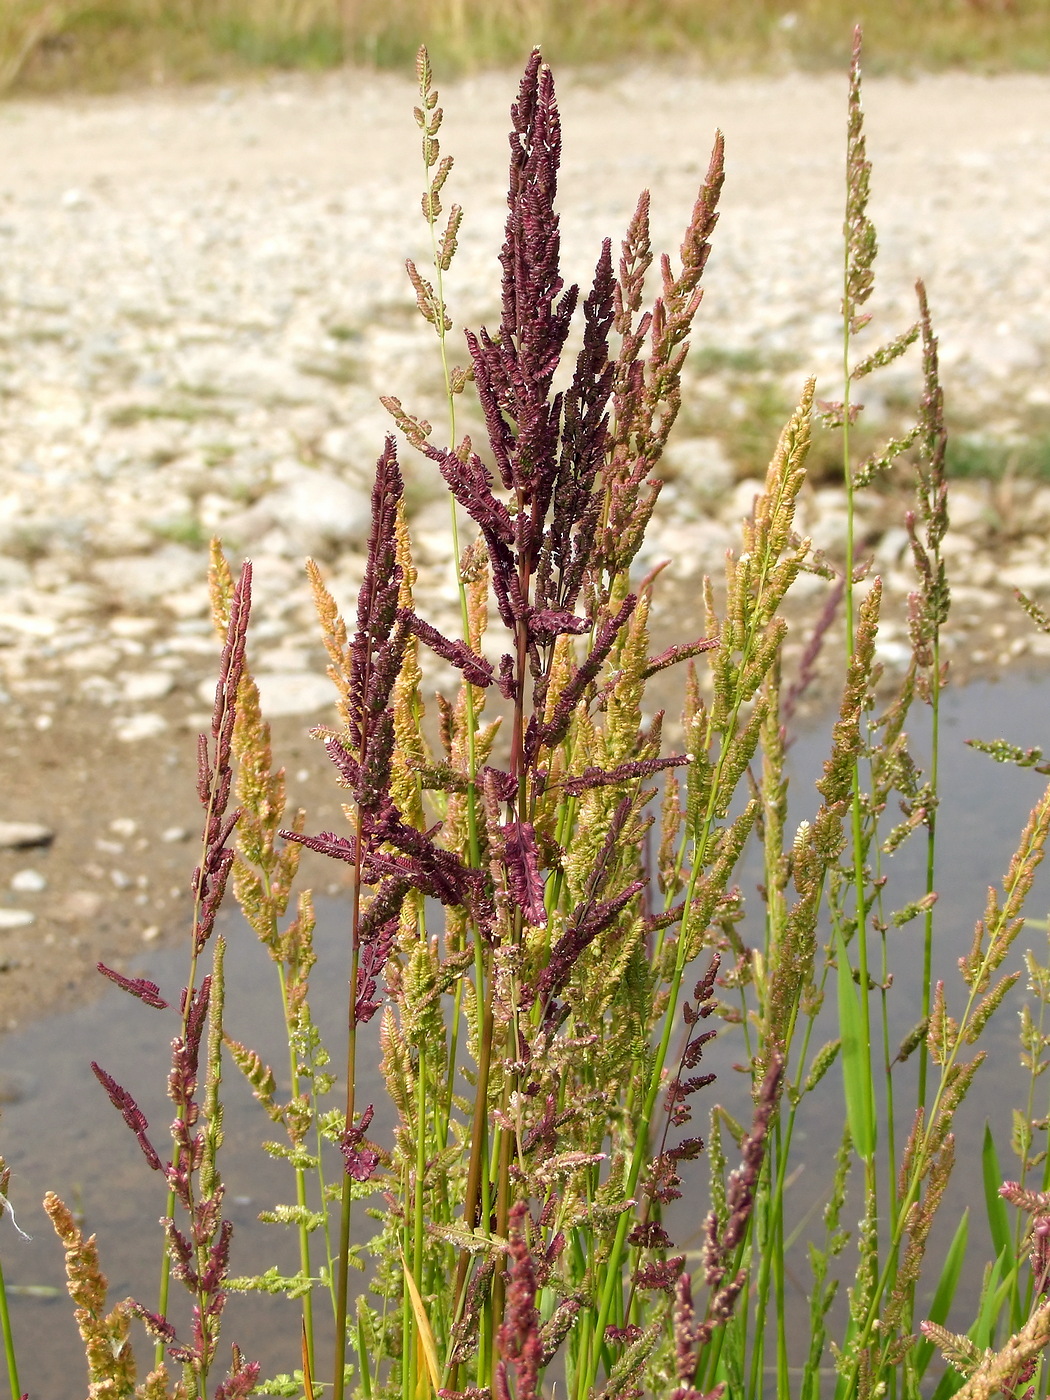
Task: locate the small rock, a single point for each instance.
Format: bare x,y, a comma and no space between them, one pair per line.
28,624
742,500
171,834
77,905
283,658
1029,577
150,934
315,512
146,578
194,601
15,834
144,726
15,918
702,467
967,506
891,547
294,693
124,827
128,626
28,881
148,685
892,652
100,658
121,879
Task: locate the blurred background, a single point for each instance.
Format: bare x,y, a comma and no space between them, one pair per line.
102,45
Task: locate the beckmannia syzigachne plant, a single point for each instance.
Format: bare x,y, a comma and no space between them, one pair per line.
535,858
543,919
197,1250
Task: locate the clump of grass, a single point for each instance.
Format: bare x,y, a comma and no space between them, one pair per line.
47,44
544,928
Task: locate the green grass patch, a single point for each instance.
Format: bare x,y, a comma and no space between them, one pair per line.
46,47
974,456
129,415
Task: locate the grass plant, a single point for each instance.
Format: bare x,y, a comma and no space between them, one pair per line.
545,929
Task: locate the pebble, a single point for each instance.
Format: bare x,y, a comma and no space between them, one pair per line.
146,725
15,834
285,692
28,882
15,918
295,693
148,685
77,905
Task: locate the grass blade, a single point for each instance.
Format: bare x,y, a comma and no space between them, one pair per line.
856,1073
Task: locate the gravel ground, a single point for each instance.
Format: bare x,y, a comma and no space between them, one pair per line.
202,295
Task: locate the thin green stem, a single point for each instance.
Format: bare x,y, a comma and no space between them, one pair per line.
345,1197
931,852
9,1341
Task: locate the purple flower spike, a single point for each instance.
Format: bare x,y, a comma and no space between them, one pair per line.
131,1113
361,1161
139,987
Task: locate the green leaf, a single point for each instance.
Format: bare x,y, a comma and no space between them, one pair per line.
995,1206
993,1294
856,1063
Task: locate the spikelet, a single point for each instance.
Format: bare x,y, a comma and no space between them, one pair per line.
110,1360
861,244
333,634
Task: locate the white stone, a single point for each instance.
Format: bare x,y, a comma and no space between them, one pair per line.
193,601
892,652
829,531
144,726
294,693
1029,577
15,834
702,467
146,578
15,918
742,501
315,513
890,549
252,375
28,881
100,658
148,685
29,624
283,658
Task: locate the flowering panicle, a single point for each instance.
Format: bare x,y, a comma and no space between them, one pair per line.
215,776
110,1359
139,987
861,245
647,390
519,1343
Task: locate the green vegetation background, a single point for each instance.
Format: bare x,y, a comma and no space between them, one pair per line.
98,45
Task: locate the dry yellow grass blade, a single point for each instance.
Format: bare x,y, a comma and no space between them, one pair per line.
424,1334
